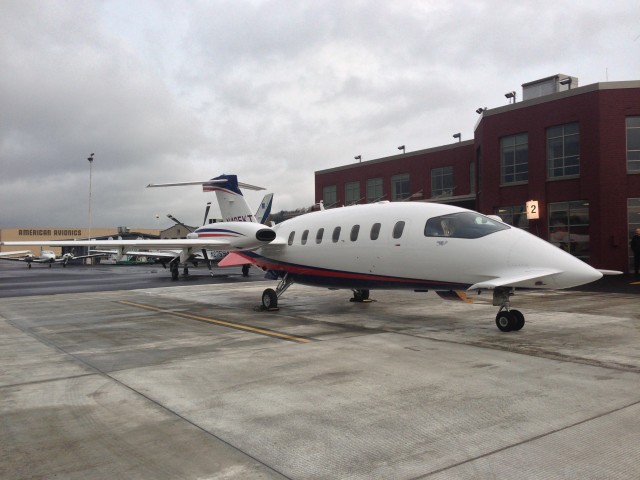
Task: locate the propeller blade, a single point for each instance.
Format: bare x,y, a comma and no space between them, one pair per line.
206,213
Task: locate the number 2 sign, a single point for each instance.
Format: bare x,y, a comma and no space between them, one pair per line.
533,213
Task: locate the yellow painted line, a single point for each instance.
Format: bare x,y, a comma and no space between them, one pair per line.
224,323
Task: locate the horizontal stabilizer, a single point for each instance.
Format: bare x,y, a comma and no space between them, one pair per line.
204,182
516,280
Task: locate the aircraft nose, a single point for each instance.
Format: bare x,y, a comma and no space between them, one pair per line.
579,273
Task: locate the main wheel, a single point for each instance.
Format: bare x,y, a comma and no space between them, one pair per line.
269,299
505,321
174,273
360,295
518,320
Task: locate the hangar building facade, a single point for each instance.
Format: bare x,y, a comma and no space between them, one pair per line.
573,152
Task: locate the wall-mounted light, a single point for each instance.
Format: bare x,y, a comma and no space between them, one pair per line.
401,147
566,81
458,136
511,96
480,110
358,157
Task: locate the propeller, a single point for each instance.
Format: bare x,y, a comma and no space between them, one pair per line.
206,213
179,222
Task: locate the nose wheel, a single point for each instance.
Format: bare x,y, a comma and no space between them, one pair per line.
510,320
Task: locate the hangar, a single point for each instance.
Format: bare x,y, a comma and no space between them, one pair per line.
571,153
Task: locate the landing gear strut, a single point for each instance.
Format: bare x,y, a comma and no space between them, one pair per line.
175,273
507,320
270,296
360,295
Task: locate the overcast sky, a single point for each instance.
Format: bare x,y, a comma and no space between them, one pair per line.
272,91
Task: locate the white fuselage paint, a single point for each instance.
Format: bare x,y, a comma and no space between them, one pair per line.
413,258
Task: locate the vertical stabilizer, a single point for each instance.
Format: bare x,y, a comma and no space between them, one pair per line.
233,205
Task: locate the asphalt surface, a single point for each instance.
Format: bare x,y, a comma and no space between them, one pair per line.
119,372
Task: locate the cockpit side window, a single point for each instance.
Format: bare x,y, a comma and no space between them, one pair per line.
462,225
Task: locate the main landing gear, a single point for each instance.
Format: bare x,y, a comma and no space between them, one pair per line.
270,296
507,320
360,296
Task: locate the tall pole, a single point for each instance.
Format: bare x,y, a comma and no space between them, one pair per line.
90,171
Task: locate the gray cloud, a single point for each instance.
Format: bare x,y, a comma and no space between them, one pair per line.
270,90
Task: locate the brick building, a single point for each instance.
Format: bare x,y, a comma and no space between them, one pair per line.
573,150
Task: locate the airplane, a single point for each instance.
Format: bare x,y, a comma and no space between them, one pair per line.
240,232
417,246
172,257
46,256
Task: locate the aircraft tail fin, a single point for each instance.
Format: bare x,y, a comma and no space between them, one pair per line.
264,210
233,206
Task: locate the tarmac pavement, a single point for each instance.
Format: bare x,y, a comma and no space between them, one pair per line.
191,380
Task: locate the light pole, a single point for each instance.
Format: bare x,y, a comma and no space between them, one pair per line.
90,171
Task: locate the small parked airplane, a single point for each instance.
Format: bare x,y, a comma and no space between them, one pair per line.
233,209
418,246
46,256
241,233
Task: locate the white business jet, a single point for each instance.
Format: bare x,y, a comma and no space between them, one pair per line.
46,256
242,233
417,246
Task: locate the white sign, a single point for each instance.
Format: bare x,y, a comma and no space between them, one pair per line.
533,213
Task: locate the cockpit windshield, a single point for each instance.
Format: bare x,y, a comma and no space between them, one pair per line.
462,225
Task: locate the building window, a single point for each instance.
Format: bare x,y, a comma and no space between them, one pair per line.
633,144
633,222
442,182
514,215
563,151
514,159
569,227
351,193
472,177
400,187
329,196
374,190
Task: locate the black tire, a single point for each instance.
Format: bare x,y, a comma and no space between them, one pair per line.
518,320
174,274
505,321
269,299
245,270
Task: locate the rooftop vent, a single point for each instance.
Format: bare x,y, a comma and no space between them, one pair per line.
547,86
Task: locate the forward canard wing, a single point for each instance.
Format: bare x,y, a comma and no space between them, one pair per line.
538,278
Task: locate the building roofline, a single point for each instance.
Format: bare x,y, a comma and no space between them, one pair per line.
391,158
559,95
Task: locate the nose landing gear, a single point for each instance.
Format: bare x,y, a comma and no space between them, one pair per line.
507,320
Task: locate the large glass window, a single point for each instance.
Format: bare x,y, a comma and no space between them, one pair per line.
569,227
442,182
374,190
633,221
514,215
514,159
563,151
633,144
351,193
400,187
329,196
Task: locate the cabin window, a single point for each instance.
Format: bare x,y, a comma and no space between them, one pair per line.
291,237
336,234
398,229
462,225
305,235
354,232
375,231
319,235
